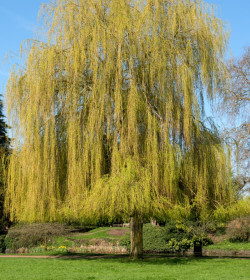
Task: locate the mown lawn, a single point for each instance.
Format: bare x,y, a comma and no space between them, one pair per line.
227,245
98,233
101,232
124,269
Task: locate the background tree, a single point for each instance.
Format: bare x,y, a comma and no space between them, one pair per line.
107,115
236,105
4,149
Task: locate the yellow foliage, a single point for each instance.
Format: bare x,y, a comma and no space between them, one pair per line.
106,114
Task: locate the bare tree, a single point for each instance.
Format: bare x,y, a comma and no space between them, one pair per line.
236,103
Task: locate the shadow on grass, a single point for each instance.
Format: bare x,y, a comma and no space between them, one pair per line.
148,259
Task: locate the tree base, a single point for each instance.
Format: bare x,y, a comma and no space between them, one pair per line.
136,238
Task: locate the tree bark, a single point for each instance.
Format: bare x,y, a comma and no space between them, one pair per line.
136,238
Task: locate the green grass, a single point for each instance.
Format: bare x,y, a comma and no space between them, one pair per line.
75,240
123,269
101,232
98,233
227,245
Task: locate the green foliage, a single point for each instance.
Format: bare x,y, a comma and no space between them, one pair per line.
220,230
58,241
107,113
154,239
178,237
181,245
56,238
170,238
240,208
176,231
4,150
125,241
2,244
182,236
31,235
239,230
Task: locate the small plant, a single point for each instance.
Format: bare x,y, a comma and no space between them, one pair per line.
239,230
180,246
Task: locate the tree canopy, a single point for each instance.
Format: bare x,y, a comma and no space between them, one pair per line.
107,113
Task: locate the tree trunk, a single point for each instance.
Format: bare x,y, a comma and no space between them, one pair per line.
45,245
136,238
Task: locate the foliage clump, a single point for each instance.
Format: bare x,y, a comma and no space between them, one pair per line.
4,151
107,113
2,244
172,237
31,235
239,230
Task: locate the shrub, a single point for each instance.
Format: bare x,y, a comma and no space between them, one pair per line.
170,238
153,239
177,231
180,246
125,241
31,235
2,244
239,230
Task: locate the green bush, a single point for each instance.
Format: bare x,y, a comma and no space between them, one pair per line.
2,244
220,230
181,245
169,238
177,231
31,235
125,241
239,230
153,239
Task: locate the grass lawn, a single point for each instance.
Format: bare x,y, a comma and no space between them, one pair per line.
227,245
101,232
98,233
123,268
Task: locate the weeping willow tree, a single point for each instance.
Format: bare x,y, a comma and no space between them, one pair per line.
107,114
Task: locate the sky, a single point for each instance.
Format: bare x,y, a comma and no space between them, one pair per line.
19,19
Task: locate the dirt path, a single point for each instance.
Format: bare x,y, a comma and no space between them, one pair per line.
118,232
118,256
66,257
28,257
89,233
